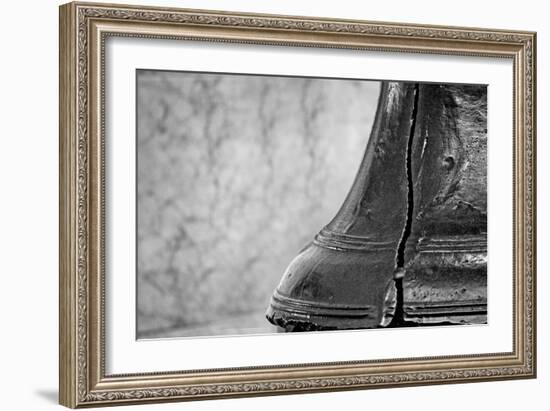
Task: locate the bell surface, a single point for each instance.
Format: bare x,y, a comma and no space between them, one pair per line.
409,244
344,279
445,259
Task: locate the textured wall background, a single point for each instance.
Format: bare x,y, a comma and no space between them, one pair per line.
235,175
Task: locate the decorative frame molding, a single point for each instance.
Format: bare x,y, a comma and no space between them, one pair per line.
83,30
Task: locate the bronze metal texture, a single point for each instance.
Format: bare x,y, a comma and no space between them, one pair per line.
446,253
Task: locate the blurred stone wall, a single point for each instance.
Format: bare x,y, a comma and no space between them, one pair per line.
236,173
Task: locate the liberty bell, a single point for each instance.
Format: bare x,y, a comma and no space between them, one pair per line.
409,243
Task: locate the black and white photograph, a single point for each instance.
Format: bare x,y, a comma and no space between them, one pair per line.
261,204
273,204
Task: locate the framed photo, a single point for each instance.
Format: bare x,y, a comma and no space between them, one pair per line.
259,204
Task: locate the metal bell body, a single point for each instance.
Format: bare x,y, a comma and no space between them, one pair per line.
344,278
445,258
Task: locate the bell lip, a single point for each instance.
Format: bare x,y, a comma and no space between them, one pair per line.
450,312
305,307
302,315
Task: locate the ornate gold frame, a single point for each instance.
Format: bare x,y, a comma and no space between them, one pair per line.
83,30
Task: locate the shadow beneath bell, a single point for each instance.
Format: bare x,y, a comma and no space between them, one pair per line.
49,395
